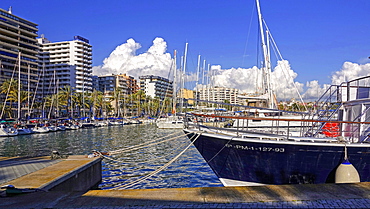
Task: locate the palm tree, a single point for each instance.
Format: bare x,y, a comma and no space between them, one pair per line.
7,110
96,99
66,97
137,100
49,102
155,105
23,97
78,100
9,87
167,105
116,98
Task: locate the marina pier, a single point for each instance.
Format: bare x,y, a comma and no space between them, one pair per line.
75,173
70,183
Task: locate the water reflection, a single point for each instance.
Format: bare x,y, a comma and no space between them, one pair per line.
189,170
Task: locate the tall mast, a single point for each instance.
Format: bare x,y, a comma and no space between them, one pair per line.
208,81
196,82
57,107
19,86
183,76
203,69
266,59
174,96
28,90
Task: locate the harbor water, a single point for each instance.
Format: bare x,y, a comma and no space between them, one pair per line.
130,168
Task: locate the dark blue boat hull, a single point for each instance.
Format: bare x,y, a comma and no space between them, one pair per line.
279,163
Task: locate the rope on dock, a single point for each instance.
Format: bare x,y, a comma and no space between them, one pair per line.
117,162
139,146
196,171
162,167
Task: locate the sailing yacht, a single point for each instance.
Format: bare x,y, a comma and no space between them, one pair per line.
173,121
332,146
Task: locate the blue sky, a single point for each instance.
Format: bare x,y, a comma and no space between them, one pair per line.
315,36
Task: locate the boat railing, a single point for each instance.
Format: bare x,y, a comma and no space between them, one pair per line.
355,128
328,103
331,130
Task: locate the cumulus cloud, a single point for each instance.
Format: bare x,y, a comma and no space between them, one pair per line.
156,61
124,59
249,80
283,80
349,72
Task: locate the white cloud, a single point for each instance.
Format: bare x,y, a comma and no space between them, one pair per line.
156,61
349,72
314,90
250,80
125,60
282,79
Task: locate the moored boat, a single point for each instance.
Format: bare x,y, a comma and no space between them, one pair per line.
338,131
40,129
170,122
7,131
24,131
241,157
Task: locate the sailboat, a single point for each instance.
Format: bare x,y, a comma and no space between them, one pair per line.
173,121
337,132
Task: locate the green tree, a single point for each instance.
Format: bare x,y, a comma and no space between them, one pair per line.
66,98
137,100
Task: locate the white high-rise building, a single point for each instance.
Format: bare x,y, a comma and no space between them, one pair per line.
65,63
156,86
219,94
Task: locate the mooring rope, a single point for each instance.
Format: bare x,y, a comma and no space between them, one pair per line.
162,167
139,146
133,162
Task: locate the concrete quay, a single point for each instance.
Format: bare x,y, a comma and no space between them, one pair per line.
59,185
284,196
75,173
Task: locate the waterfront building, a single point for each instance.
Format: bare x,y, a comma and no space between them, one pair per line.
125,84
95,82
65,63
18,43
122,85
187,94
219,94
156,86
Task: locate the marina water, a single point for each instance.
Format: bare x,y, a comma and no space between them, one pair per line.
189,170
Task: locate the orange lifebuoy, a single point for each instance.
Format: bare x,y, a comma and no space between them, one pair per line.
331,129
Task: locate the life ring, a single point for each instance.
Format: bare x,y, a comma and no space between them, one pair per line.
331,130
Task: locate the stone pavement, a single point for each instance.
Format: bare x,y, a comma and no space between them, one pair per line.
284,196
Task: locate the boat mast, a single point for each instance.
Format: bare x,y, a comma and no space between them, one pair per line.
266,60
183,77
28,90
174,96
196,83
19,86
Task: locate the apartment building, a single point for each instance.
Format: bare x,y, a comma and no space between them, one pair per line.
126,84
65,63
18,44
219,94
187,94
156,86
